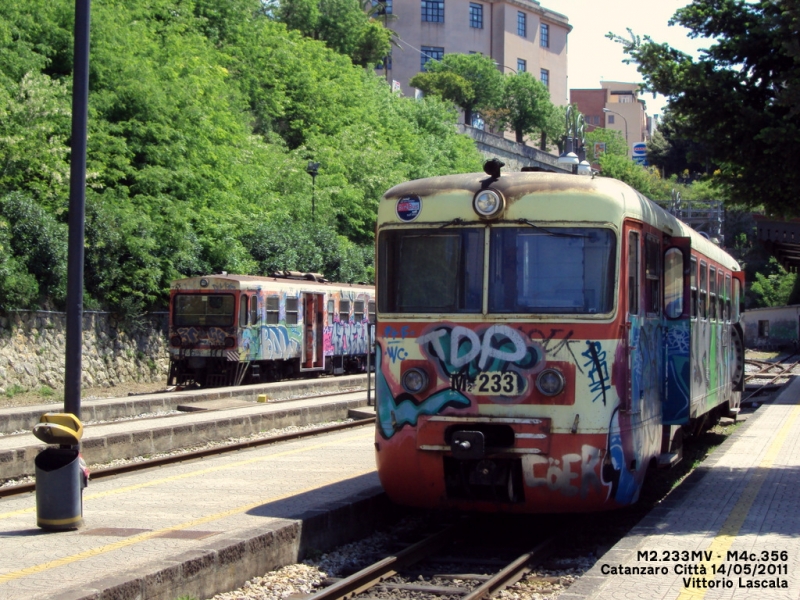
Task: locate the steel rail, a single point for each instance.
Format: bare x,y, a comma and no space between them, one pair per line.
785,371
13,490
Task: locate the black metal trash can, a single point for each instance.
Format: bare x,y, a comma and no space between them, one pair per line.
59,489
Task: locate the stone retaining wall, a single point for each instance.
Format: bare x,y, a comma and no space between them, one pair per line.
33,346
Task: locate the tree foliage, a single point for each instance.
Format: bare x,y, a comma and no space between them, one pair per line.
526,108
740,99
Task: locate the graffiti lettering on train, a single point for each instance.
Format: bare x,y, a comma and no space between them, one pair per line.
192,335
392,333
571,474
552,347
599,381
395,352
346,338
279,343
456,347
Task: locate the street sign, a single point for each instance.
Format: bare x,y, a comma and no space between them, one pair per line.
640,149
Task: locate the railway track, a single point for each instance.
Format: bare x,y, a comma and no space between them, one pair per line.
768,373
444,564
24,488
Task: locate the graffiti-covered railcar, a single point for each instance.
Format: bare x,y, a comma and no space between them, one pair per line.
233,329
543,340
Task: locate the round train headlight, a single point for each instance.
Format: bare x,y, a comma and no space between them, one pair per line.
550,382
414,380
488,204
175,340
230,342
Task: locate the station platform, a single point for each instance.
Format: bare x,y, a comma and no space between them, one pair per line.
730,530
199,527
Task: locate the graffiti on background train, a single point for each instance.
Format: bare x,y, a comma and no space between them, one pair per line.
233,329
543,340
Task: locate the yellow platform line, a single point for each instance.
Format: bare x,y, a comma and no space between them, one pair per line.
197,473
730,528
151,534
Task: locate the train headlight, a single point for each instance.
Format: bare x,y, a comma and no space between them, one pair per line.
414,380
175,340
488,204
550,382
230,342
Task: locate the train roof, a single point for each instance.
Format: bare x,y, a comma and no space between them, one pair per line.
610,201
225,281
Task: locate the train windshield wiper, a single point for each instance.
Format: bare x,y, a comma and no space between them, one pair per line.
550,231
456,221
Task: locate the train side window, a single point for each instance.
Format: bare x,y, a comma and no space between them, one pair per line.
331,310
728,298
344,311
273,310
702,304
253,310
371,309
291,311
652,273
358,311
243,310
763,329
693,287
633,273
673,283
720,295
712,294
735,301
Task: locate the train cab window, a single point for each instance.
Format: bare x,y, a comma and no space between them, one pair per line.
693,287
331,310
273,310
344,311
633,273
702,300
728,298
253,310
242,310
568,270
203,310
358,311
371,309
712,294
673,283
652,273
291,311
431,270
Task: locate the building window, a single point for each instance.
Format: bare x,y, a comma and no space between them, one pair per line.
382,7
610,119
522,66
545,77
476,15
522,24
385,64
433,11
430,53
544,35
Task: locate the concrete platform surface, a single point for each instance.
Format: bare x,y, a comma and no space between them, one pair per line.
730,531
199,527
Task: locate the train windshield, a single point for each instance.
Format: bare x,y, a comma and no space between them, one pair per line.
553,270
431,270
203,310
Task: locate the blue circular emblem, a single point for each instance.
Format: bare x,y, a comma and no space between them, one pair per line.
408,208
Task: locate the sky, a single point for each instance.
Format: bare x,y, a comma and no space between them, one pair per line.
593,58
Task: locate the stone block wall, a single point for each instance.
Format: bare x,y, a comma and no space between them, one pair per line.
33,346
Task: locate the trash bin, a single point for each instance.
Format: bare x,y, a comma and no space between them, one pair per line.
60,474
59,489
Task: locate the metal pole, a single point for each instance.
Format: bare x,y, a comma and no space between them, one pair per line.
77,204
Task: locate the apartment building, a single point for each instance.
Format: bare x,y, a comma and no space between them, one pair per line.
520,35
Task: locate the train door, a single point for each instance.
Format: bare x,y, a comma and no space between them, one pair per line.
679,300
313,311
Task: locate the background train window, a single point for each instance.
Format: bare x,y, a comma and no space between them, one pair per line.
253,310
693,287
763,329
702,300
344,311
553,270
273,310
652,274
291,311
633,273
358,311
331,310
712,294
242,310
673,283
431,271
727,298
720,296
192,310
371,308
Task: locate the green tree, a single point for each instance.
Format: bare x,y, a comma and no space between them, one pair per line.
741,98
773,288
470,81
526,105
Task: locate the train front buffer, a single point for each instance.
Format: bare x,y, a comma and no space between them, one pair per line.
506,417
